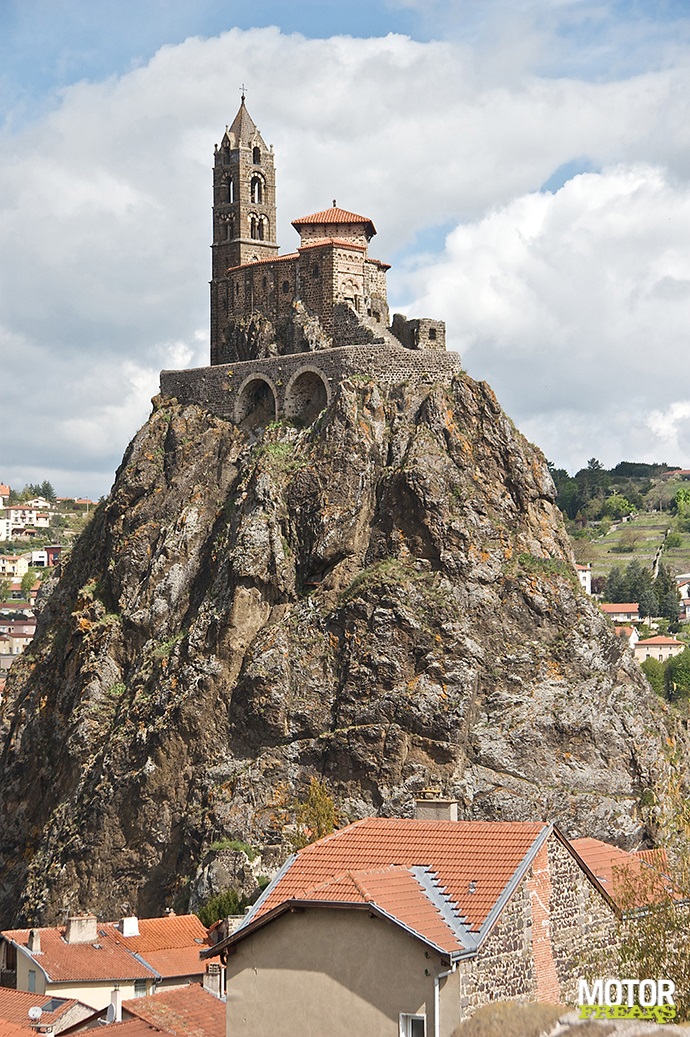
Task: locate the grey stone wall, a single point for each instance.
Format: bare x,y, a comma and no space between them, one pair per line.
583,925
223,388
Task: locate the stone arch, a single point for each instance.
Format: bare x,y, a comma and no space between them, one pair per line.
256,401
307,393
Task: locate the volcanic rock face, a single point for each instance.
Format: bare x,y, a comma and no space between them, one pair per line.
385,599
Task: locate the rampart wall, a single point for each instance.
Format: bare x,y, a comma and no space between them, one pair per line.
295,385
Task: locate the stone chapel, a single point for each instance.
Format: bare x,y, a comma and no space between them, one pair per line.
327,299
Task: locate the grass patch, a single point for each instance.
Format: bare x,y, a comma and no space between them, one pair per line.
388,571
234,844
163,649
549,566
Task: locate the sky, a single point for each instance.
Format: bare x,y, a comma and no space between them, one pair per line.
526,164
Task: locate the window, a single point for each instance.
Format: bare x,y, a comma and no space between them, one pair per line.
253,227
412,1025
432,334
32,981
140,988
286,287
256,190
316,271
230,192
256,156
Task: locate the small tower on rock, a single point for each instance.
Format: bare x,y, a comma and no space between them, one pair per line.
244,205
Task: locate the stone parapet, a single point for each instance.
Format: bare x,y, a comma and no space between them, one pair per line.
294,385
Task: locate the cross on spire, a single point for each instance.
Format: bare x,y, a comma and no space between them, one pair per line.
243,91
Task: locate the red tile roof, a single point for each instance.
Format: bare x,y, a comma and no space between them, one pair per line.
160,934
62,962
659,640
191,1011
15,1005
614,867
445,880
133,1028
335,215
170,945
622,606
8,1029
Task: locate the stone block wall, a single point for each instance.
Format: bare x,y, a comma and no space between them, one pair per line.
420,332
583,924
223,388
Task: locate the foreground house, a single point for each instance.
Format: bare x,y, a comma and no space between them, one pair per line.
402,928
85,959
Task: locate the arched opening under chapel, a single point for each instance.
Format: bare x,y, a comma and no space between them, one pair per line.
256,403
306,396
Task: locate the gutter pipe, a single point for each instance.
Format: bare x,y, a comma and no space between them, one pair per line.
437,997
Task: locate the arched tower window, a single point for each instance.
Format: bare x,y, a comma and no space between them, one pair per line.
256,156
253,227
231,190
263,228
256,190
229,229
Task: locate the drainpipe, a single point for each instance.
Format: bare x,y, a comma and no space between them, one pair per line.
437,997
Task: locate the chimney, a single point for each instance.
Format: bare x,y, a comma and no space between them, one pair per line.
432,807
129,926
115,1006
35,941
213,979
81,929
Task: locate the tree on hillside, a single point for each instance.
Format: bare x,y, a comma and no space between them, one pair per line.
678,676
655,672
634,583
616,506
666,590
28,580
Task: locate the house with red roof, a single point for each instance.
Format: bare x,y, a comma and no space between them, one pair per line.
57,1014
403,927
85,959
584,575
622,611
659,647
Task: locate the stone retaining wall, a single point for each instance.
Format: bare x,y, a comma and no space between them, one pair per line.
291,386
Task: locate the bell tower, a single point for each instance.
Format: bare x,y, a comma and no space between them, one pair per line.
244,205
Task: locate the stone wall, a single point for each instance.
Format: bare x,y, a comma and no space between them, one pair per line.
555,922
583,925
419,332
223,388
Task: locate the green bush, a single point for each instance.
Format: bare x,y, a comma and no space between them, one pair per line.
220,906
655,672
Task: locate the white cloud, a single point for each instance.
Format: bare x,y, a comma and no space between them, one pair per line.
562,300
574,306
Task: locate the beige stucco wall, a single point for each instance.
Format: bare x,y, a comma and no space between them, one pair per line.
96,995
334,972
